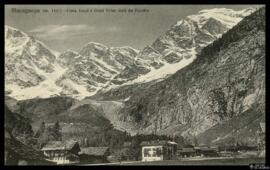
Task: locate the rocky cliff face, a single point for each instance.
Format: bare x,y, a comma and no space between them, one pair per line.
224,84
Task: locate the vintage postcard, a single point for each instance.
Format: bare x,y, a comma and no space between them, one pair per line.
135,85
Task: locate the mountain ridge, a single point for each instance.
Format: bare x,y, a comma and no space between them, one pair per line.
100,68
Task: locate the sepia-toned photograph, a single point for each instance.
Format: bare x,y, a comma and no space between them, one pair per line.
134,85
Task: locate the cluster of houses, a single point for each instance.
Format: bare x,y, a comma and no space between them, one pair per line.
168,150
69,152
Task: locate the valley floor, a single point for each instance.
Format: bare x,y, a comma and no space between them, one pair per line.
192,161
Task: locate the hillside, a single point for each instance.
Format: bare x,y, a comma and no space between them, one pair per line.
80,121
17,128
225,83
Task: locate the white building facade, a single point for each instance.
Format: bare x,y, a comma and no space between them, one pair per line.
158,150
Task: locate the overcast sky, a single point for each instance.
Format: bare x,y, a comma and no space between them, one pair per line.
62,31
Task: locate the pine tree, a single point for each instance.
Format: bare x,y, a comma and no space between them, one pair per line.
195,141
40,130
57,131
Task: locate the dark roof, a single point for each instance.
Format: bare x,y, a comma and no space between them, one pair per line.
157,142
189,146
60,145
186,150
197,147
214,147
94,151
208,149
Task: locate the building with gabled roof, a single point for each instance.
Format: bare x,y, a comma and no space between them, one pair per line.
94,155
186,151
207,151
62,152
158,150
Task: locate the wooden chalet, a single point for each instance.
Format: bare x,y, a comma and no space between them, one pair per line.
207,151
158,150
62,152
90,155
186,151
202,150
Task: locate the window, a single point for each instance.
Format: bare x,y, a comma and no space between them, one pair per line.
146,152
154,153
159,152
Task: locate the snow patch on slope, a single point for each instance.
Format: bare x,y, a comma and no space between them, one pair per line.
166,70
226,16
45,89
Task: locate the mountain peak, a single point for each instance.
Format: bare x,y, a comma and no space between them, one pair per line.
13,32
92,48
125,48
69,51
228,17
227,11
95,44
217,10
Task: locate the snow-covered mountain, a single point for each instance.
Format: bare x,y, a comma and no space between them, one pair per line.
33,70
179,45
93,67
26,59
28,63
